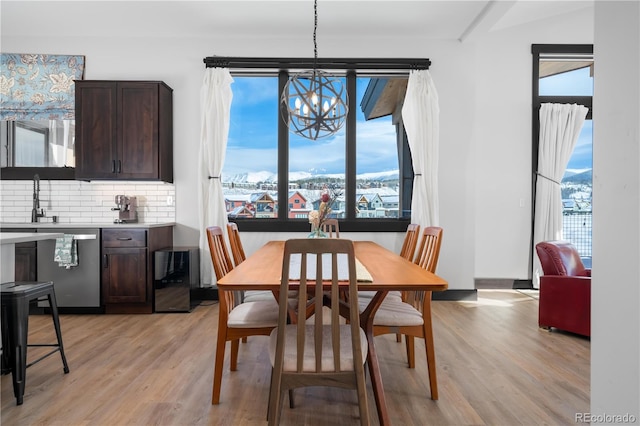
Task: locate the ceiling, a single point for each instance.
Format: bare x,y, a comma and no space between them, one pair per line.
452,19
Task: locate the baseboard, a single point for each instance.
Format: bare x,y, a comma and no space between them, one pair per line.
523,284
204,293
503,283
455,295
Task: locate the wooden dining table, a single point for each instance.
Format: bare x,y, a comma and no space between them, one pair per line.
389,272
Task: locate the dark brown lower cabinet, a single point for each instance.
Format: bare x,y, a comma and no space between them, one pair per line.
127,262
26,261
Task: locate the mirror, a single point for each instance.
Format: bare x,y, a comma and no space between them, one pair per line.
45,147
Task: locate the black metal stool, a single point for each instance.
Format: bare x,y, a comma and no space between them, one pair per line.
15,328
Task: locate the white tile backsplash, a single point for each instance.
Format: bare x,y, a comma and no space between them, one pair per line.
85,202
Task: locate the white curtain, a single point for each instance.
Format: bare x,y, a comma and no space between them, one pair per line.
560,126
420,114
215,105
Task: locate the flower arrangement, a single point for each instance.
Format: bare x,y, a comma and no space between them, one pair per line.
318,217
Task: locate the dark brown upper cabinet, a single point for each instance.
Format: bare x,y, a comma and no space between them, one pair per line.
124,130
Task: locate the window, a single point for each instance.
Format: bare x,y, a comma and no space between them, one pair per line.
45,147
37,111
377,168
564,74
273,178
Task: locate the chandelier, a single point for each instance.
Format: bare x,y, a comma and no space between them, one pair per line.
315,102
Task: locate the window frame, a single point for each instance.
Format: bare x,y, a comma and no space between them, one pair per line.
537,50
538,100
282,223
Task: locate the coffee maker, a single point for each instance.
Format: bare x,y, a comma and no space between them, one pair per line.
128,209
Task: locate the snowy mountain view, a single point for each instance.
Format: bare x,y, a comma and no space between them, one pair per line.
265,176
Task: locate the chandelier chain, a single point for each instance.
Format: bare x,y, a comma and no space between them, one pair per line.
315,29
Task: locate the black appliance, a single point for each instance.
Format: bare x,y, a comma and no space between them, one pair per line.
176,274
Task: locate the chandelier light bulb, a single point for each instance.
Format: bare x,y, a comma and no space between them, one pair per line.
316,108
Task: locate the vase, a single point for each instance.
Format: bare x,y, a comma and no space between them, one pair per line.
317,232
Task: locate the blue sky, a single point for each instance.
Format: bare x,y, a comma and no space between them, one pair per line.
579,83
252,145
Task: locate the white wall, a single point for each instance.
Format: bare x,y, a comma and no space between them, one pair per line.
503,139
615,291
485,128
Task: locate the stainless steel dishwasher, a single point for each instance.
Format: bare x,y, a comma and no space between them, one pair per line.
78,286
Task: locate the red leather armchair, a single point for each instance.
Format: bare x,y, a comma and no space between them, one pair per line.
565,288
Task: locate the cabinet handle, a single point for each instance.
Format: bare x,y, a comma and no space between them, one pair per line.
105,261
124,238
119,166
113,166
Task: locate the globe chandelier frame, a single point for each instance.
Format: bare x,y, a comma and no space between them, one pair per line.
315,103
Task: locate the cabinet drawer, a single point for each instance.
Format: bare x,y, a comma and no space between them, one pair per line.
124,238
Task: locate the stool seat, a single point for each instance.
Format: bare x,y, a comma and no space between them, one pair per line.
15,297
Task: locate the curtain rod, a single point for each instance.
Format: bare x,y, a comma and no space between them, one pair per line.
326,63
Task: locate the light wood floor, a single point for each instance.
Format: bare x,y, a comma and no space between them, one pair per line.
495,367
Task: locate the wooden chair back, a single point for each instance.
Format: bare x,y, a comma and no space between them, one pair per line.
331,227
410,241
429,250
219,253
322,351
221,265
427,258
235,243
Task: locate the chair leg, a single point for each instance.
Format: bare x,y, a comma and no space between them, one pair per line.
276,398
18,347
363,405
428,343
219,364
411,351
269,398
56,324
235,345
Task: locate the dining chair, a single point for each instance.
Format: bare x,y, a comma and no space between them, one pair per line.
407,251
410,242
323,351
237,251
236,319
331,227
411,316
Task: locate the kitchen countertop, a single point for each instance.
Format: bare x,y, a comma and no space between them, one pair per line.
39,225
22,237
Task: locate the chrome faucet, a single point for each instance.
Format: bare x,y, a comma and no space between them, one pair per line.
36,211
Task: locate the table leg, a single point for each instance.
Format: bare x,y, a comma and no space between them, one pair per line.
366,322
